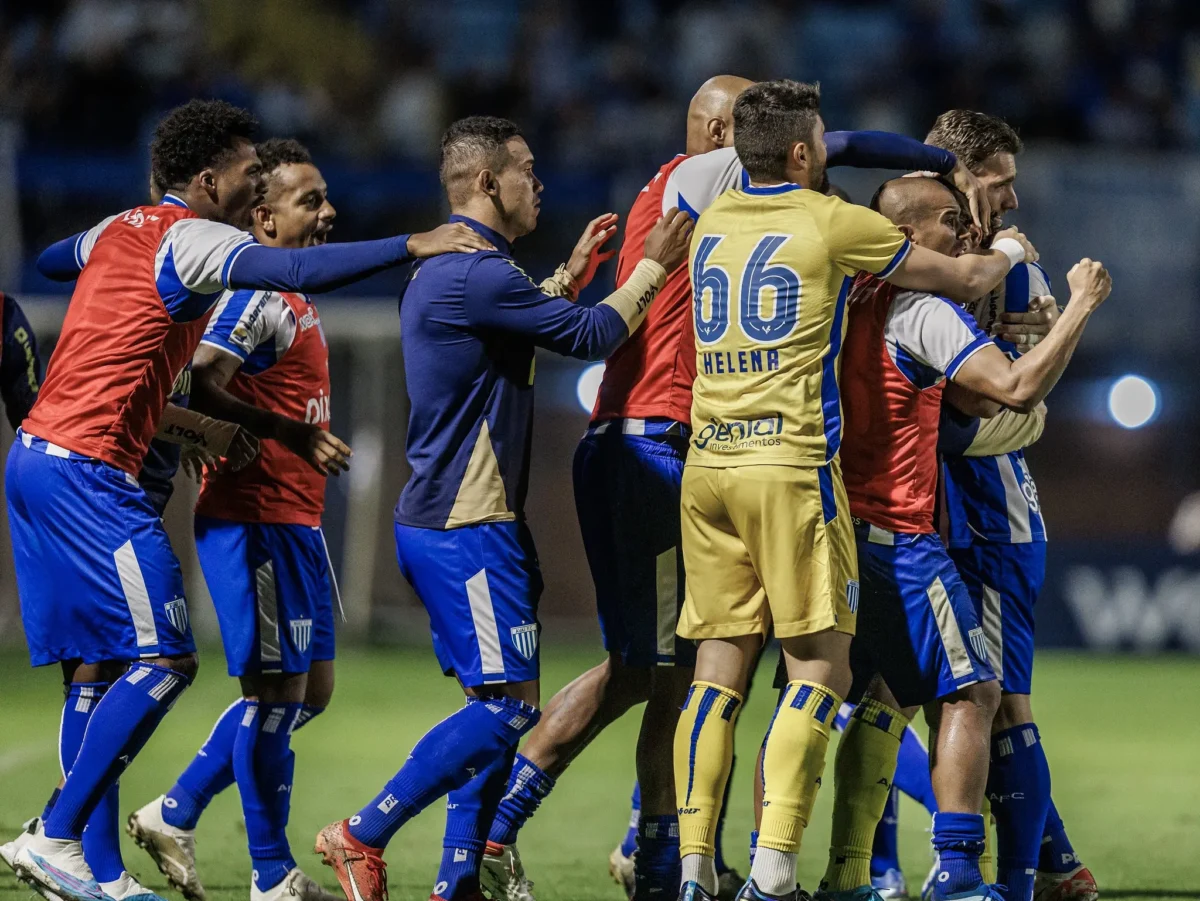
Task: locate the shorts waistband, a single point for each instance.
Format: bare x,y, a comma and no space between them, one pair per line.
649,427
42,446
50,449
873,534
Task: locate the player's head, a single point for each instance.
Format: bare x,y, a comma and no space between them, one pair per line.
779,134
988,146
203,151
296,211
928,210
487,170
710,114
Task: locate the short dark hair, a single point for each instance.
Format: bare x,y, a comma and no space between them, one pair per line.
472,144
195,136
276,152
768,118
973,137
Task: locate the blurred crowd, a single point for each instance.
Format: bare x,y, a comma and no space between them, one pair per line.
599,84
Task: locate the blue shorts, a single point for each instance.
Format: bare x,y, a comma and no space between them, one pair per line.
272,590
95,570
480,586
917,626
627,499
1004,581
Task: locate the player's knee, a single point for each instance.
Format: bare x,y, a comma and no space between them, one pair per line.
319,691
1015,710
628,685
186,665
986,697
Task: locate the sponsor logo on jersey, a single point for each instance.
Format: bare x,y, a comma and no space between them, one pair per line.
177,614
525,639
301,633
309,319
137,218
317,409
744,433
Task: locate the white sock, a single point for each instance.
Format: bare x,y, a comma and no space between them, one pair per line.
702,869
774,872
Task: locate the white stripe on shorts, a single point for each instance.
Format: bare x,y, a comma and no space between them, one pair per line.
483,616
1014,497
268,614
992,630
952,640
137,599
666,567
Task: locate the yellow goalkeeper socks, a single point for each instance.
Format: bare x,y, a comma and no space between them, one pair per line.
987,860
703,757
863,770
793,760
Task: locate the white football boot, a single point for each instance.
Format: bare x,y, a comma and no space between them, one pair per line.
56,870
126,888
8,851
171,848
502,875
620,868
297,884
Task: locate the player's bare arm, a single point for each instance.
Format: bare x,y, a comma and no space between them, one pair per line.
966,277
208,440
1023,383
212,368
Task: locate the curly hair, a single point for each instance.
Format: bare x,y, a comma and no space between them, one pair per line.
973,137
195,136
768,118
472,144
276,152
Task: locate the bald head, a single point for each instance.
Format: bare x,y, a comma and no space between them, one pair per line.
710,114
929,211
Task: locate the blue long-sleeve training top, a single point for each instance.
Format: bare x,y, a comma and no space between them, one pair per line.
469,324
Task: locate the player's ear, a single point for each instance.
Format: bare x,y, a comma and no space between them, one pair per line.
208,180
487,182
716,131
799,155
907,231
264,218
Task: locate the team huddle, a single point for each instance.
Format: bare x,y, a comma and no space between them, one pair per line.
800,396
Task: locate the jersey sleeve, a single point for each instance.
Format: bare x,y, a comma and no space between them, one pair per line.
243,320
934,331
197,254
697,182
861,240
87,240
499,295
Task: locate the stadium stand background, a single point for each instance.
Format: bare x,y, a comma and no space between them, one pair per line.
1106,94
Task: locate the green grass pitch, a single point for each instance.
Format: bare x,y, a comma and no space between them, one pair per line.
1123,736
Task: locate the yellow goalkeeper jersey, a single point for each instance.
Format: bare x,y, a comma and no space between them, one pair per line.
771,269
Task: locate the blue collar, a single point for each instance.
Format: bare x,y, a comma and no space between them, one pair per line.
495,237
771,189
172,200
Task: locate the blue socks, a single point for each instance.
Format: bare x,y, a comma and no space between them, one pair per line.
958,838
211,770
912,771
657,865
528,785
263,764
1057,855
885,852
469,813
209,773
123,722
446,758
1019,789
629,844
102,837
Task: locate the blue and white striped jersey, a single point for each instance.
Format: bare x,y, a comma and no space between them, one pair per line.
992,498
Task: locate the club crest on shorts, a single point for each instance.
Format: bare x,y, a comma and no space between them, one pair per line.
525,639
852,595
978,643
301,633
177,614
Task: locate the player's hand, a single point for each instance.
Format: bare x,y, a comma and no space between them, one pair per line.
193,460
323,451
1026,329
668,242
589,250
1090,282
1031,254
241,452
968,182
453,237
